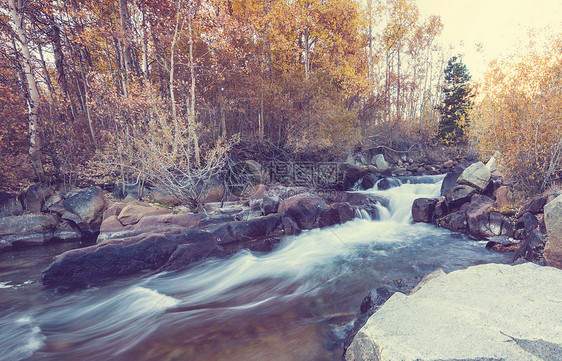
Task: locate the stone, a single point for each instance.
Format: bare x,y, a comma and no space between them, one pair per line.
102,262
533,206
503,196
477,175
553,221
423,210
456,222
482,223
379,162
449,164
28,229
369,180
336,213
270,205
85,207
350,174
485,312
133,212
35,196
65,232
387,183
10,203
492,164
304,209
458,195
5,246
290,226
245,231
441,209
451,178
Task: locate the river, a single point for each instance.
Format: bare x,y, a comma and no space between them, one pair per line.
295,303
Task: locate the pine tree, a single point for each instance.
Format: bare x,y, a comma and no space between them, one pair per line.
456,104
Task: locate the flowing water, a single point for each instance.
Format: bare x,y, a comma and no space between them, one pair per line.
295,303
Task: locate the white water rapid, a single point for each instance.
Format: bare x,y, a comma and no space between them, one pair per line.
294,303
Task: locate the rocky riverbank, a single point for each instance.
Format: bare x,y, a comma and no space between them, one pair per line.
474,200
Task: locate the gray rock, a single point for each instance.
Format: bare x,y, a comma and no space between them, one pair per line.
304,209
379,161
423,209
477,175
9,203
553,220
35,196
469,315
84,207
458,195
27,230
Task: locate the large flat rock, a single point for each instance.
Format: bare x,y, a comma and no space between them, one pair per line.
486,312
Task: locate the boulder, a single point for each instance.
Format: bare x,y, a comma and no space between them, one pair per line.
361,201
477,175
290,226
120,257
482,223
133,212
245,231
387,183
10,204
451,178
533,206
456,221
336,213
349,175
379,162
449,164
503,196
458,195
369,180
441,209
270,205
28,229
304,209
35,196
492,164
553,221
423,210
469,315
65,232
84,208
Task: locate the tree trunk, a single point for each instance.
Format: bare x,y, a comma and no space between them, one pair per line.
33,98
191,116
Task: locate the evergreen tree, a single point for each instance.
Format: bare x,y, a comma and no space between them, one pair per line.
456,104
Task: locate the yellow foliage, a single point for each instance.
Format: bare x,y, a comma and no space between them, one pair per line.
519,114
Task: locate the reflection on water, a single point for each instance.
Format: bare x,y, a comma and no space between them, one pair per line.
295,303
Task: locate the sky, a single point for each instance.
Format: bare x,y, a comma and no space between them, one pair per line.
500,26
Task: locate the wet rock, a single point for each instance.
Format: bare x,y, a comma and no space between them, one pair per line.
336,213
304,209
270,205
456,222
553,221
458,195
5,246
387,183
482,223
423,210
65,232
28,229
244,231
369,180
457,317
290,226
84,207
350,175
451,178
441,209
477,175
119,257
532,247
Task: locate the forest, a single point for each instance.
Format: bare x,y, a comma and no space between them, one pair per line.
152,88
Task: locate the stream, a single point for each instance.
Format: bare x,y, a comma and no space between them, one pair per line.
295,303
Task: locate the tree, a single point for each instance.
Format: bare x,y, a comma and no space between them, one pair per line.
457,102
31,89
518,115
